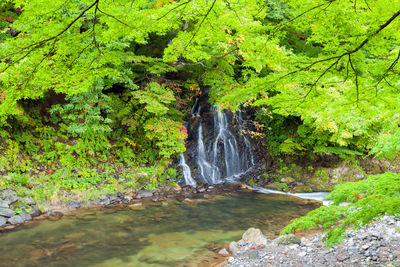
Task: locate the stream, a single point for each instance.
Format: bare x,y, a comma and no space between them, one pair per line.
171,233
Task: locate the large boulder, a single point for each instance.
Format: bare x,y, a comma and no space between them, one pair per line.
4,203
17,219
255,236
9,195
284,240
6,212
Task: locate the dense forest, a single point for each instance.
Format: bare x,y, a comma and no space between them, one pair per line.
94,94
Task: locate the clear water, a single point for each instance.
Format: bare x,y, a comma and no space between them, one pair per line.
178,233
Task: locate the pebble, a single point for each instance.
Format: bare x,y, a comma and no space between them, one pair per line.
223,252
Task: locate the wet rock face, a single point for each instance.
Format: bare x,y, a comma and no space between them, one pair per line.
15,209
217,145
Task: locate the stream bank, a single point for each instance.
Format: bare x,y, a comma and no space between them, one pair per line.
375,245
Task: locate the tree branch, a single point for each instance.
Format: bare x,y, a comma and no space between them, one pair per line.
42,42
348,53
201,23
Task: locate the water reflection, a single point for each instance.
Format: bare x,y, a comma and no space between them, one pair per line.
169,234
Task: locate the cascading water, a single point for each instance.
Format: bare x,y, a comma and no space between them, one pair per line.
187,174
220,150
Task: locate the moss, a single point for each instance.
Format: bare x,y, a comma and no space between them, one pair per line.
304,189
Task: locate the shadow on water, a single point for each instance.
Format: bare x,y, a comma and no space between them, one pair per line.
170,234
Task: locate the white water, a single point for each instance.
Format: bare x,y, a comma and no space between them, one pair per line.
320,196
219,156
187,174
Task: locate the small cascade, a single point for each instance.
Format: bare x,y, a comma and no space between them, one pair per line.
187,174
218,149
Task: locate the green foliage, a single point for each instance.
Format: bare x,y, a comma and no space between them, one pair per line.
19,179
365,201
86,114
323,76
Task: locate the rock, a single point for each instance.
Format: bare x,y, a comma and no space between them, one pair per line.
223,252
71,204
245,186
365,247
35,211
201,190
3,221
233,247
286,240
352,249
9,195
17,219
25,216
144,194
306,242
6,212
302,254
255,236
294,246
136,206
105,202
177,187
28,200
4,203
253,254
156,199
55,215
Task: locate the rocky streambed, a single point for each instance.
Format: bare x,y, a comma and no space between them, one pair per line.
376,245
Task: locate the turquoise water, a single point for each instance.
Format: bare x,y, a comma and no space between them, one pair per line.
173,233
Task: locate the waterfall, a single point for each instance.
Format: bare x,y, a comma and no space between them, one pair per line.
187,174
218,148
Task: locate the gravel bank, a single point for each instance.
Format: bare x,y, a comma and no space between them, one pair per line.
376,245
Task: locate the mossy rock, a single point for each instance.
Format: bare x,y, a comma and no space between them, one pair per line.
304,189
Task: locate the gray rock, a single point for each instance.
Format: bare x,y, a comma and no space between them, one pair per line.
302,254
3,221
294,246
71,204
253,254
4,203
16,220
28,200
223,252
6,212
35,211
201,190
144,194
25,216
255,236
286,240
352,249
105,202
233,247
10,195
